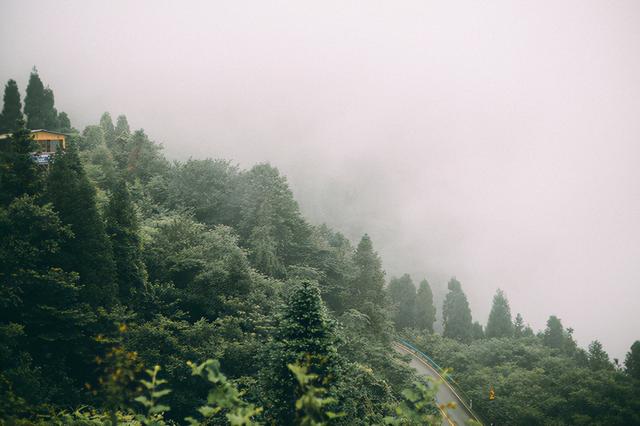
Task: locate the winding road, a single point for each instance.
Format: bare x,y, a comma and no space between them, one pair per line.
452,417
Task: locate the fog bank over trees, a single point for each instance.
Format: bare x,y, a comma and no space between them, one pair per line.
497,144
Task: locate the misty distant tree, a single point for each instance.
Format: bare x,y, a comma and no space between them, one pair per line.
425,309
554,333
19,175
92,137
35,102
11,109
89,253
477,332
64,123
108,130
367,288
499,323
597,357
518,326
403,296
123,231
50,114
632,361
456,315
122,127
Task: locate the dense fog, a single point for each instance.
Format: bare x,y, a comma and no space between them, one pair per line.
497,142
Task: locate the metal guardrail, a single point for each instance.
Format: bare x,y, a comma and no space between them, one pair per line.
455,387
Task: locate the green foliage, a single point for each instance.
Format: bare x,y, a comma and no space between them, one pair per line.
11,108
499,324
632,361
312,405
367,293
534,384
89,253
35,102
223,397
124,232
19,174
425,309
403,296
304,334
456,315
417,406
153,417
554,333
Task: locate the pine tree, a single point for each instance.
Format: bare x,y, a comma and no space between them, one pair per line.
499,324
122,127
477,332
35,102
367,288
64,123
89,253
123,231
18,172
554,333
41,299
518,326
108,130
456,315
425,309
403,296
632,361
597,357
11,109
50,112
305,335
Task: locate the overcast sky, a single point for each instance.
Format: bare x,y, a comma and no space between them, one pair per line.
495,141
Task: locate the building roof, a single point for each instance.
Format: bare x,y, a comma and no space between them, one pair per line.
6,135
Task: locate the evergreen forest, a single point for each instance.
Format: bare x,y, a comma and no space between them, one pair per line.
137,290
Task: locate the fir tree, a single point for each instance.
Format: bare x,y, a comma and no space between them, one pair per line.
123,231
63,122
122,127
49,111
367,288
499,324
456,315
108,130
425,309
305,335
11,109
89,253
35,102
554,333
518,326
632,361
18,172
403,296
598,358
477,332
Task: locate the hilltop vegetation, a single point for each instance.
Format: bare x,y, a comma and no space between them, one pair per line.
115,260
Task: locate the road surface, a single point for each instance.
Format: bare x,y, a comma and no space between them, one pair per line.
453,417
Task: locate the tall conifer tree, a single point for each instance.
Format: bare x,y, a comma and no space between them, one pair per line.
35,102
499,324
403,296
11,108
456,315
89,253
425,309
123,231
367,289
305,335
18,172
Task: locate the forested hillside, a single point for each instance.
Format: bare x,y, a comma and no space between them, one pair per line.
140,290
